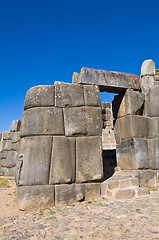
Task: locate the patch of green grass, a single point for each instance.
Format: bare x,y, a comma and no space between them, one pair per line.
153,188
3,182
89,202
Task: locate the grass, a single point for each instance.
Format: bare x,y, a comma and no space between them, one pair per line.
153,188
3,182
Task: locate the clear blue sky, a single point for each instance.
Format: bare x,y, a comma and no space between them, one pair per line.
42,41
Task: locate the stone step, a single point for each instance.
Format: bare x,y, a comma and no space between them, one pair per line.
122,186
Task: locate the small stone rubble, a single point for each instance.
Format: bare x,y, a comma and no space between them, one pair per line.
98,218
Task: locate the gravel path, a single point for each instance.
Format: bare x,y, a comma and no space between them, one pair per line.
95,219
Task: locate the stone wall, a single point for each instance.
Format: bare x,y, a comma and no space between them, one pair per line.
9,144
60,152
137,129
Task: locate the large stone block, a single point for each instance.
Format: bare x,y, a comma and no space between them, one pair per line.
153,151
152,102
15,126
37,121
132,154
33,162
9,159
108,81
6,135
75,78
68,95
71,193
146,83
15,137
148,178
89,164
92,95
6,145
148,68
83,121
132,102
40,96
33,197
132,126
62,160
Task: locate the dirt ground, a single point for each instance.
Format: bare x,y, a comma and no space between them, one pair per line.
95,219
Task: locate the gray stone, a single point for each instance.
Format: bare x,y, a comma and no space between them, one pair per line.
109,81
146,83
33,163
33,197
15,137
68,95
92,190
153,147
148,178
152,102
6,145
15,126
9,160
92,95
83,121
6,135
69,193
40,96
131,102
75,78
63,160
132,154
89,163
0,136
132,126
15,146
37,121
148,68
4,171
125,194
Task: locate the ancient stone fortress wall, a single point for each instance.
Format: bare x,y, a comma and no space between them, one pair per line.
137,127
9,144
60,152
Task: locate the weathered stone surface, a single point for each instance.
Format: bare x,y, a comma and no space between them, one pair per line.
6,145
132,102
148,178
137,126
132,154
92,190
148,68
9,159
152,102
15,137
6,135
40,96
4,171
89,165
37,121
33,163
63,160
33,197
146,83
68,95
92,95
125,194
83,121
71,193
143,191
153,151
75,78
109,81
15,126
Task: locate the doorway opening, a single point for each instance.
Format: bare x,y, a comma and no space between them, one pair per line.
108,137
